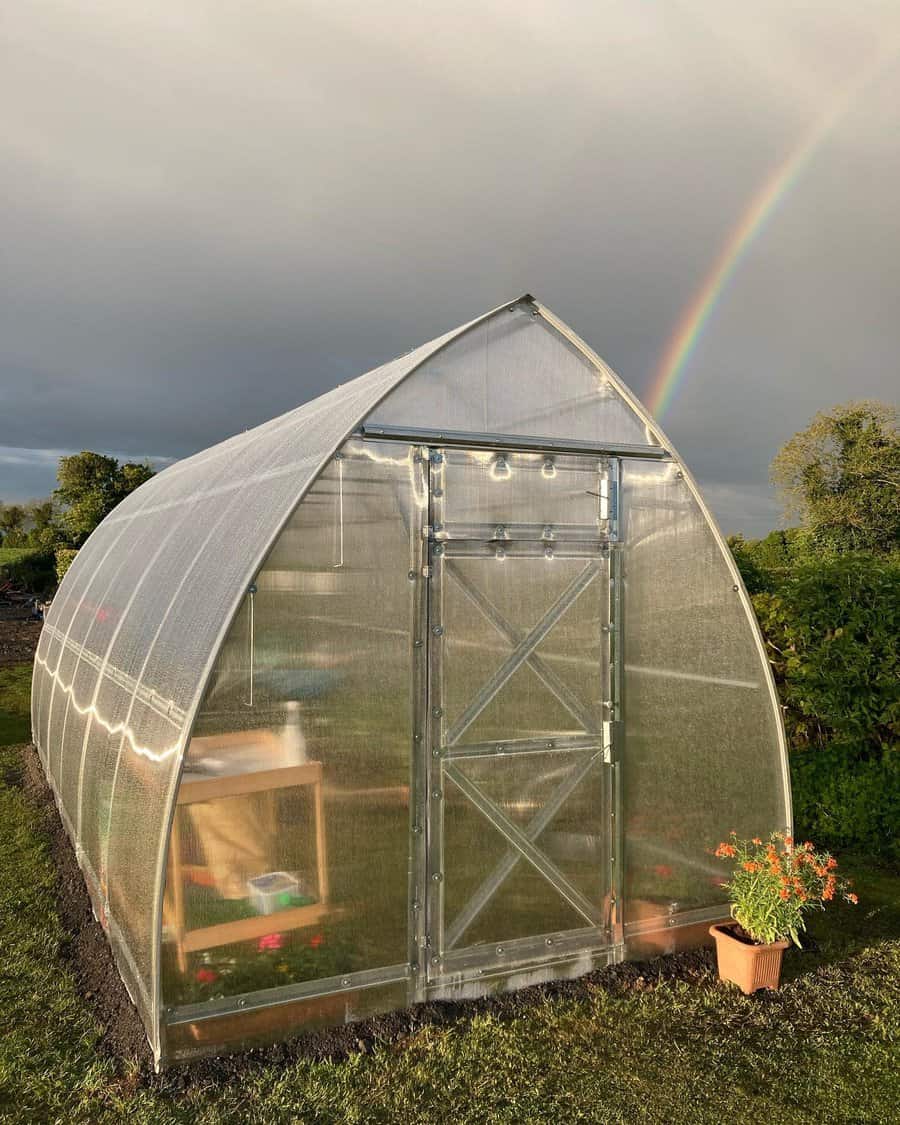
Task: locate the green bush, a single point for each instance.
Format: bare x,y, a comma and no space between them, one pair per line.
30,568
65,556
831,628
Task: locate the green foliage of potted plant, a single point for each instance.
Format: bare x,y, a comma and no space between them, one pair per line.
772,886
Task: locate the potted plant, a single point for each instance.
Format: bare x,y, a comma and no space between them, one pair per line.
773,884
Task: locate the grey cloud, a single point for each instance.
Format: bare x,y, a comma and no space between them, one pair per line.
213,212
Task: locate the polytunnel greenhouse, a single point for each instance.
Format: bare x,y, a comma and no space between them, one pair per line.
441,684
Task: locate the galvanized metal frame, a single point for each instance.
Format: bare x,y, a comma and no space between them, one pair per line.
486,540
285,994
516,442
156,1030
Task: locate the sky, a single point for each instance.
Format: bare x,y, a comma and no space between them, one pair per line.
214,211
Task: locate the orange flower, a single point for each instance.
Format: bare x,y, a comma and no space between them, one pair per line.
831,862
789,841
725,850
785,893
751,867
828,893
756,840
853,898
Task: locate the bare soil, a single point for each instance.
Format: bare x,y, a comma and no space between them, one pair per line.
19,633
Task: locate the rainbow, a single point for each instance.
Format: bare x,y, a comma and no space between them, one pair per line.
670,372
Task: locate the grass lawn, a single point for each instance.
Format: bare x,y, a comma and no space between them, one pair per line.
823,1049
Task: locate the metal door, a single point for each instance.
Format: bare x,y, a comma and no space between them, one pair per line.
521,707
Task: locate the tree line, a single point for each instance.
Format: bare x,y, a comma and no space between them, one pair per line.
90,485
827,596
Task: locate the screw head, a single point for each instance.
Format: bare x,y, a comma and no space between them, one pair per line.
438,630
735,588
436,877
345,981
411,575
437,712
499,948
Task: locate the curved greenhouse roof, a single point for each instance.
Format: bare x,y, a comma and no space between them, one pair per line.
325,564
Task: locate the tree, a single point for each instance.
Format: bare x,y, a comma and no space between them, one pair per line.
12,525
841,476
90,486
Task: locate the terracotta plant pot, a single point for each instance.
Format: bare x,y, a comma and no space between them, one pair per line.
748,966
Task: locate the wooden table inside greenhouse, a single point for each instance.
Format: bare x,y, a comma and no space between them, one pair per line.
196,789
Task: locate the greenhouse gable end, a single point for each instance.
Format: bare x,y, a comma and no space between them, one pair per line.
442,683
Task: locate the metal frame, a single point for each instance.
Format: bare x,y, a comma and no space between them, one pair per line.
443,957
153,1014
515,442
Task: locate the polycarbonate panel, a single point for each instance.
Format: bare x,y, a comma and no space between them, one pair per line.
290,851
139,617
702,752
519,901
515,374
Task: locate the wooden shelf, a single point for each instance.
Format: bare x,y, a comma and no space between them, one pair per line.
247,929
241,782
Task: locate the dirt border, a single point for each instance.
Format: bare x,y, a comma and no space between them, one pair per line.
88,957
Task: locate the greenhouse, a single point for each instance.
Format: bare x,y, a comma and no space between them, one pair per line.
442,684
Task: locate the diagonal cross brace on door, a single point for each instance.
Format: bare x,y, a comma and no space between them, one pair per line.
545,674
522,652
522,845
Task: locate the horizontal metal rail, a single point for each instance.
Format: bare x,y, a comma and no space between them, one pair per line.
286,994
513,442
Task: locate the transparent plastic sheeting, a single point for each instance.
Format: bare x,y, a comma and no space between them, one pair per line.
702,751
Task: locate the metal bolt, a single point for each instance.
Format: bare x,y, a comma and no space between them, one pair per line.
436,877
417,738
679,474
534,312
251,589
500,747
438,630
435,753
411,575
500,533
242,1003
499,948
499,553
435,960
436,793
548,552
438,492
735,588
437,712
417,831
339,457
438,549
417,644
549,941
437,458
345,981
549,745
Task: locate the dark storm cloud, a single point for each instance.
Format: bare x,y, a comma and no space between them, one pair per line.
213,211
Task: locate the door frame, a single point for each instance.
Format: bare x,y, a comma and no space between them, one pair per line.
436,968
